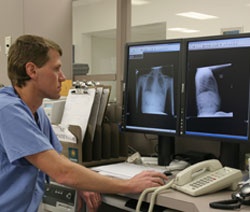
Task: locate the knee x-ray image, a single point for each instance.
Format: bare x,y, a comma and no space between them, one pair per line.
155,91
208,98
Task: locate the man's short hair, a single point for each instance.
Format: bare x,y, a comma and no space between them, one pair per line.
28,48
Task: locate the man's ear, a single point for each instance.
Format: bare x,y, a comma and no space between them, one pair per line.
31,70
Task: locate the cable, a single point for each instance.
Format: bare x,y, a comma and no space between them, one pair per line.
143,194
131,150
155,191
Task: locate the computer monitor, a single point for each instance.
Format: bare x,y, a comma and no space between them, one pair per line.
216,80
151,91
54,109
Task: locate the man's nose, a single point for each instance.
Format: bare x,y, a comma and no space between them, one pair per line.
62,77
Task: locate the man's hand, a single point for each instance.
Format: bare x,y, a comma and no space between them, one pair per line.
146,179
93,200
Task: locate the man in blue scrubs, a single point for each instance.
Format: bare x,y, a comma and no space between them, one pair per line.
29,149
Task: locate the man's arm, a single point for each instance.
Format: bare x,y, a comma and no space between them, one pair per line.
68,173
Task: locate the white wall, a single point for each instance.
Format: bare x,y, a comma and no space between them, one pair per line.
51,19
11,23
103,55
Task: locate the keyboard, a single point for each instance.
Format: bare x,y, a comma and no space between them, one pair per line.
126,170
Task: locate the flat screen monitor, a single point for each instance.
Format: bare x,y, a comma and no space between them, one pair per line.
216,82
151,94
151,87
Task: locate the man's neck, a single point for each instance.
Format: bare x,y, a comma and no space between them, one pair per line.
32,100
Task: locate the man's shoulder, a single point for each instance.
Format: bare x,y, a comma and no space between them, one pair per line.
8,97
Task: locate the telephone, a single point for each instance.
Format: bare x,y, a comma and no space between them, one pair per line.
201,178
206,177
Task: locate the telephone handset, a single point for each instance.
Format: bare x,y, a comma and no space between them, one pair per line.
206,177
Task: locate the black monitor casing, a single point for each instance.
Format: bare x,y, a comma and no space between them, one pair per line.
152,82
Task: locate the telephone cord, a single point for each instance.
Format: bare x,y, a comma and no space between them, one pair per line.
143,194
155,191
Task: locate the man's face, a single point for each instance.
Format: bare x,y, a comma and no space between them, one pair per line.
50,77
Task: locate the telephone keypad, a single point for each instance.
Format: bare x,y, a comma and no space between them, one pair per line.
207,179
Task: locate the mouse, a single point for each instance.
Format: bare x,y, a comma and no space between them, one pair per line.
178,164
168,173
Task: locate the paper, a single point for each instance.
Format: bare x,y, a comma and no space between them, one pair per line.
64,134
94,112
103,105
78,108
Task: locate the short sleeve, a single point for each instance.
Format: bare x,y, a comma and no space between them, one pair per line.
20,133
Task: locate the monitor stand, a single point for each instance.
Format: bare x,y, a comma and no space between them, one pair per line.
166,149
230,154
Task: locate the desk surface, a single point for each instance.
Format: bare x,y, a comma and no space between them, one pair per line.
182,202
177,200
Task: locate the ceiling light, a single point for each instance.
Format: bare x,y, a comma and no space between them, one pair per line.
196,15
139,2
184,30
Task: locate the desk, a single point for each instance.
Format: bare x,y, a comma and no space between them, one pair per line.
171,198
179,201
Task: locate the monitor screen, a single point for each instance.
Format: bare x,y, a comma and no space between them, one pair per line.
216,81
151,93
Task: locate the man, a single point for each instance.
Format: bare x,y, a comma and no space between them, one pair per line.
29,149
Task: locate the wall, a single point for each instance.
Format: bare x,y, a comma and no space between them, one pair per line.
51,19
11,23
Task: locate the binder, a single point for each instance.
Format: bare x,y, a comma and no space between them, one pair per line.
115,140
106,142
96,141
97,144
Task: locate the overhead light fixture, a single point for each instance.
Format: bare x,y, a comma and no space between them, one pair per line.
196,15
139,2
184,30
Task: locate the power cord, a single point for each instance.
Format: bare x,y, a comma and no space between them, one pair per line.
131,150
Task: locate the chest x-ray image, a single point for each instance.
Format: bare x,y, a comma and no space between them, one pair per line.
155,91
207,93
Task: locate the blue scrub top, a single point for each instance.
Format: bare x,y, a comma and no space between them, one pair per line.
22,184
